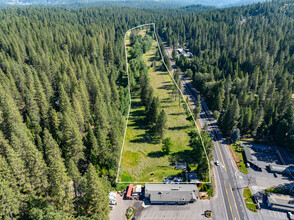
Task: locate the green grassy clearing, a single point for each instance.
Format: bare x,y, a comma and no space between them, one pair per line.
248,200
142,159
239,158
277,190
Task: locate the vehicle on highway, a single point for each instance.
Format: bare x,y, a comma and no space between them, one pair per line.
217,163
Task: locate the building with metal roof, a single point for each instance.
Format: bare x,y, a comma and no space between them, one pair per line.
171,193
129,192
280,202
287,169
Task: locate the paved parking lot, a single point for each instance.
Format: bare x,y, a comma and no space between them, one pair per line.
162,212
272,215
176,212
261,180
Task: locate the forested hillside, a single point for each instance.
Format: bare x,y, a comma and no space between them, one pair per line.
63,95
243,66
61,109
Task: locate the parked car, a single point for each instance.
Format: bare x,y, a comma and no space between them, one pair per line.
257,205
255,200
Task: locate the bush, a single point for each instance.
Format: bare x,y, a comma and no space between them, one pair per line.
210,191
130,212
216,114
189,73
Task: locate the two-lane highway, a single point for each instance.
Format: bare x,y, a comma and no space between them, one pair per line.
228,204
227,184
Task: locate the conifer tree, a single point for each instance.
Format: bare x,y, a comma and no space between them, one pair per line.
152,114
161,124
72,140
9,203
95,195
59,182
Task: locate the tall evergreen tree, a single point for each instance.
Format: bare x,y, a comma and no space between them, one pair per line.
95,196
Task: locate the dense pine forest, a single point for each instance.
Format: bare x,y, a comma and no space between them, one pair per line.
61,110
243,65
63,95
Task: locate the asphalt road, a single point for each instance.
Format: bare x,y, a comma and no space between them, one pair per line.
228,204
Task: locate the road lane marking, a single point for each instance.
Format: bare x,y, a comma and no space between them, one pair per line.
221,154
206,116
229,200
234,200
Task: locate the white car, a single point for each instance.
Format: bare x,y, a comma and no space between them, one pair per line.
217,163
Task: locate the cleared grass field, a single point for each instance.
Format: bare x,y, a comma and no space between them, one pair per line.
142,159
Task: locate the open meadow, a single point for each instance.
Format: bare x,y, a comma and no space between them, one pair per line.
143,160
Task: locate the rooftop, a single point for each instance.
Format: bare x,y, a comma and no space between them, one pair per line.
171,192
282,168
281,201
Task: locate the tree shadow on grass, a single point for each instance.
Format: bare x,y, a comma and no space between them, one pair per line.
147,137
176,114
166,100
162,73
142,138
177,128
185,156
153,58
166,87
138,113
136,104
155,154
189,118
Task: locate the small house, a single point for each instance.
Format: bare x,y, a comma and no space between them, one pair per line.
181,166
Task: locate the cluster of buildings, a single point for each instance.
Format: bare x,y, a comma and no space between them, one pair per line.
181,51
134,192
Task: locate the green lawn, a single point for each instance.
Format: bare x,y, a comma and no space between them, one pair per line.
248,200
240,159
142,159
277,190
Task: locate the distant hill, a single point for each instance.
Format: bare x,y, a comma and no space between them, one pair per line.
132,3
